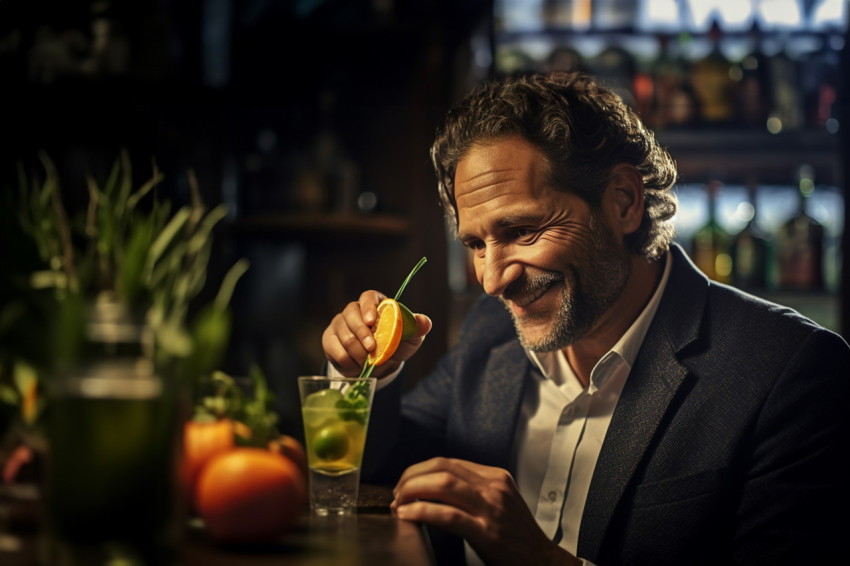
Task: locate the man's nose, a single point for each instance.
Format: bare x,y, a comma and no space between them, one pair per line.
496,270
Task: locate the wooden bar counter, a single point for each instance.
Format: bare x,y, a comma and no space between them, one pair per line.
370,537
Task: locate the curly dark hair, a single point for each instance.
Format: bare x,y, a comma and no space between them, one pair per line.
584,130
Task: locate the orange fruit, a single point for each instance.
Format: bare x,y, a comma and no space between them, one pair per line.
201,441
290,447
388,331
250,494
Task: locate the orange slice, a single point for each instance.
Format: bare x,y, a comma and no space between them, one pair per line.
388,331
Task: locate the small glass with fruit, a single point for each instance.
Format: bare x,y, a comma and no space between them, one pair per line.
335,411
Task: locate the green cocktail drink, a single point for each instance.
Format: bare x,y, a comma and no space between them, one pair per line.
335,412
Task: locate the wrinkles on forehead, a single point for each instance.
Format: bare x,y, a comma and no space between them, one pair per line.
487,171
485,187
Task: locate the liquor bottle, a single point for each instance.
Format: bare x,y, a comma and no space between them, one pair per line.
800,242
750,250
710,246
819,82
615,67
713,84
557,14
754,89
613,14
786,111
566,14
565,59
642,88
673,100
318,179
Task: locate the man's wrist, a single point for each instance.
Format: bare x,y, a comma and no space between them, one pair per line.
387,377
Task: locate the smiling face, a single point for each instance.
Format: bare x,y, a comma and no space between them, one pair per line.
546,254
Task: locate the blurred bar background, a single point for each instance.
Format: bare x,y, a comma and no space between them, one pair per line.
312,119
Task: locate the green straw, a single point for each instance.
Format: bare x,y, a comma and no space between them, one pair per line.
409,277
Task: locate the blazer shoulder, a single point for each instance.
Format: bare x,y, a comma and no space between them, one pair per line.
744,335
696,311
742,312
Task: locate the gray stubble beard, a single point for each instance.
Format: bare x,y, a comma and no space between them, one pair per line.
575,317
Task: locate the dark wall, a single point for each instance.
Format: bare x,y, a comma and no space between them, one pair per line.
245,93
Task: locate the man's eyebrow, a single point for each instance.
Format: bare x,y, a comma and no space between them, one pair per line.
526,218
508,221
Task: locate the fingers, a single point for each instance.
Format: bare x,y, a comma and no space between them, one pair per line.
348,339
410,346
468,471
458,483
448,517
440,492
368,303
450,483
479,503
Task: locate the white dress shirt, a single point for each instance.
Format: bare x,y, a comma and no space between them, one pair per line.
562,426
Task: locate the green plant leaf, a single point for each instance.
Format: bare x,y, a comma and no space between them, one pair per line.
168,234
130,281
228,284
125,185
173,339
211,334
155,261
203,234
137,196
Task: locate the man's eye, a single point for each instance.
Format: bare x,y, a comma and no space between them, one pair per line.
474,244
520,232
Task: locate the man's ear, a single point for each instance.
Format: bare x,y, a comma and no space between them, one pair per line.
626,198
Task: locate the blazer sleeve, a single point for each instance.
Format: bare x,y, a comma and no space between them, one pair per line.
794,503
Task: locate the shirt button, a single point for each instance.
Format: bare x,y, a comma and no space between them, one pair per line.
553,495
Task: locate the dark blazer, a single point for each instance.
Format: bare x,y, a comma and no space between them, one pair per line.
728,444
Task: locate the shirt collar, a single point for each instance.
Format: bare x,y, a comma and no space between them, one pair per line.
553,365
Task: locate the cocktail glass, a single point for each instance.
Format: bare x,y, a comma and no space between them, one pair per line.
335,411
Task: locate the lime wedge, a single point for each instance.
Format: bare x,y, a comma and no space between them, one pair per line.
409,325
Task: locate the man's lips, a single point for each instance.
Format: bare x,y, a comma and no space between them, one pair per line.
522,301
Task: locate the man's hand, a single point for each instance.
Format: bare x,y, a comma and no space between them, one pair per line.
481,504
348,339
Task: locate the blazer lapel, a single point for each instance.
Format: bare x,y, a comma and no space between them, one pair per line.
649,389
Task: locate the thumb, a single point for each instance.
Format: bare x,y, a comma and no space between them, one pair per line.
423,324
409,347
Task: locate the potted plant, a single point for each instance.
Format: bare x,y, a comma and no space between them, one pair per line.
102,340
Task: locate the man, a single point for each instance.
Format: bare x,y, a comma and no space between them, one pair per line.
623,409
